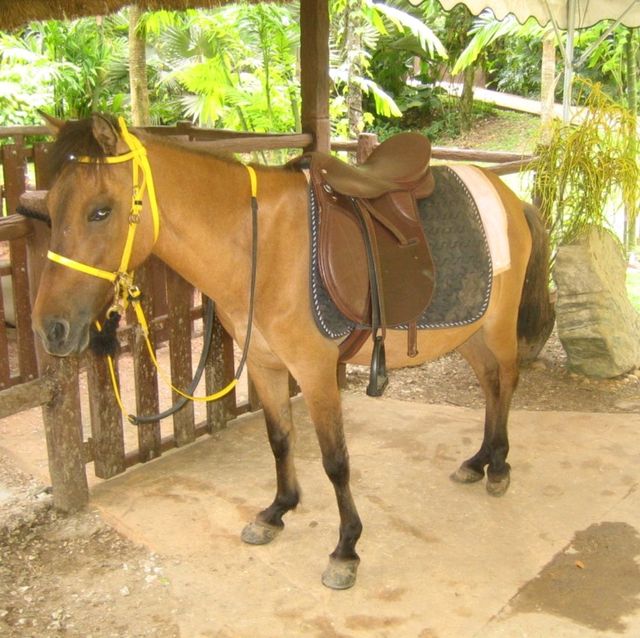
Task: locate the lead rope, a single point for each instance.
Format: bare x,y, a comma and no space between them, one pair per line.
134,298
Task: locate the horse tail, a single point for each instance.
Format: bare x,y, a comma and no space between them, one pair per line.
536,314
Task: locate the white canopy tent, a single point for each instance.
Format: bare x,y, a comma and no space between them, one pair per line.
566,15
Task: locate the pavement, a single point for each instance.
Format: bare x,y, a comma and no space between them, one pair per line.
559,555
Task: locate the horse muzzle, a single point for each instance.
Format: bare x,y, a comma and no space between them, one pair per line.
61,338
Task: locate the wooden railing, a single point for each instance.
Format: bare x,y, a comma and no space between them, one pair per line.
29,378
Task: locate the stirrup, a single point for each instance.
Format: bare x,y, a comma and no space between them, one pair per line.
378,378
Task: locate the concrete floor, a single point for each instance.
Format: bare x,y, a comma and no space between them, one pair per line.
438,559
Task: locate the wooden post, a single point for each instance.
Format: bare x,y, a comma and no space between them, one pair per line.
106,420
179,294
219,372
61,414
366,143
314,72
15,184
146,379
41,163
65,441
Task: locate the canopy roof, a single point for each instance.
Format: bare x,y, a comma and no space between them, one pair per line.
15,13
587,12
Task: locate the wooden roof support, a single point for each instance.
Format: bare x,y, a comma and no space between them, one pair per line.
314,72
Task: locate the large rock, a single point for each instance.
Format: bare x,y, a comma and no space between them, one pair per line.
597,325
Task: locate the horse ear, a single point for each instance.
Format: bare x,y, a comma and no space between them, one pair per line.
52,123
106,135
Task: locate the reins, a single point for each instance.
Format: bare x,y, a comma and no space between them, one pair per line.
127,293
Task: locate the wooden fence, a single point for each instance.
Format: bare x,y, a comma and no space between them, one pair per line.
29,377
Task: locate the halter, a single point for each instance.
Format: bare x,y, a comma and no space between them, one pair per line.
125,291
122,278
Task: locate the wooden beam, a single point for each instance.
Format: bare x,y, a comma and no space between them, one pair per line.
14,227
314,72
25,396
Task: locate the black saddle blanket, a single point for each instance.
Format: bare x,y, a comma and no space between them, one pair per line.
460,252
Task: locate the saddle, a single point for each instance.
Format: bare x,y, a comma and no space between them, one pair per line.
373,256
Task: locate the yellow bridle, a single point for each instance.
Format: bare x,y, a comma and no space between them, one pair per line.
125,291
122,278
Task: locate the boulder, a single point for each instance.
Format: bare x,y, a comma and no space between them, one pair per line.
597,325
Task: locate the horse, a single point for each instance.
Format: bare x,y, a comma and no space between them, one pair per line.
202,228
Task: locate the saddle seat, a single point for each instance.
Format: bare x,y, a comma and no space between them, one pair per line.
399,163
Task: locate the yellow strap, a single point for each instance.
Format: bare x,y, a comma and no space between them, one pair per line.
136,145
254,180
128,247
76,265
142,320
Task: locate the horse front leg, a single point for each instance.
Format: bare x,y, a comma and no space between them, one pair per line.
272,386
497,372
320,389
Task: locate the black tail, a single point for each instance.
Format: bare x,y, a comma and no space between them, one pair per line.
536,315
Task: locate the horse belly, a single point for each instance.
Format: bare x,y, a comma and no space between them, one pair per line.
431,345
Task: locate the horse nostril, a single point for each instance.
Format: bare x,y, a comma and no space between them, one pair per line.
57,331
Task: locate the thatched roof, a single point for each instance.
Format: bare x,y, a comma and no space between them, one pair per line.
16,13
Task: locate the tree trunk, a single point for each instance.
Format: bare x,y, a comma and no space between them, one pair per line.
630,210
466,98
138,69
353,52
547,85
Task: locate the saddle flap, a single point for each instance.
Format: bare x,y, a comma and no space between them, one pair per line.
405,268
342,259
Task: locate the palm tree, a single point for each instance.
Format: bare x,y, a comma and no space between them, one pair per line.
140,114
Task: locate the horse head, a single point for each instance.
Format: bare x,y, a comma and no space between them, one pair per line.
101,227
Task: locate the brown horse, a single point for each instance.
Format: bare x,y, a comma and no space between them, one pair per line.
205,235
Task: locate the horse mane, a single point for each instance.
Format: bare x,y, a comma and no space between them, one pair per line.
75,139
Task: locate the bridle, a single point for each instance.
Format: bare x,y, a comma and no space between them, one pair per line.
125,291
122,278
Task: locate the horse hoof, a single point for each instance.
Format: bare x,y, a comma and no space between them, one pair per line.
498,486
258,533
340,574
466,474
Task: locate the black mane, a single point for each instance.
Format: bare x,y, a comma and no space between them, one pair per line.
75,139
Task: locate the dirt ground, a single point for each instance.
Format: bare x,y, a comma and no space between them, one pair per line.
75,576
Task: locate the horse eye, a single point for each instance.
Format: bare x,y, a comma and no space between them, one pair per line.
99,214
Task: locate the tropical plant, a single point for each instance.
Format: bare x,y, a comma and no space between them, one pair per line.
234,66
359,30
25,81
587,168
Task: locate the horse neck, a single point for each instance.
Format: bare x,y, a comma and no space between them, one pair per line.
204,202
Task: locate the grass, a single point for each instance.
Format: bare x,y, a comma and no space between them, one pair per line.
500,131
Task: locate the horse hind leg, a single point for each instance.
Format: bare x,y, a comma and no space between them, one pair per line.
497,372
273,389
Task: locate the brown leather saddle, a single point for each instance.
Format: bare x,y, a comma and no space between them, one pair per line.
373,256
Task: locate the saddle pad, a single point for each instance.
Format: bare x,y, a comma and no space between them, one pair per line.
460,252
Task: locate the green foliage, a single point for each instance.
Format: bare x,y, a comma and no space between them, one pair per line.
514,66
25,81
585,167
605,65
